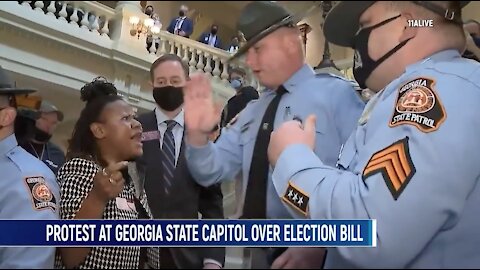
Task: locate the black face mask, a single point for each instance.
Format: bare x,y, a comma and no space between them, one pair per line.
41,136
364,65
181,13
148,12
214,31
168,98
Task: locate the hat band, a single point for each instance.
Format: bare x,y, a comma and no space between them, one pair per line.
5,85
448,14
282,22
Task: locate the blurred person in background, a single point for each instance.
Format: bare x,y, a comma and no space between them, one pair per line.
211,37
233,46
39,144
181,25
243,95
149,11
472,34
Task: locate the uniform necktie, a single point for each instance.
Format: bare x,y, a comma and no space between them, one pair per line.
168,162
255,205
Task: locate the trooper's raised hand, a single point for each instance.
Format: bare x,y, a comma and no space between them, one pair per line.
201,113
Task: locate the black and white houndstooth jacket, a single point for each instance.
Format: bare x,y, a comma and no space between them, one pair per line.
76,181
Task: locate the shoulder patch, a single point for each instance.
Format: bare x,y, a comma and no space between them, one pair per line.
42,196
395,165
296,198
418,104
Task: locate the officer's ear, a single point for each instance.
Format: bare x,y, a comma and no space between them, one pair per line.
98,130
408,31
7,116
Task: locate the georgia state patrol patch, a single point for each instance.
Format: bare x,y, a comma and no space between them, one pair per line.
418,105
42,197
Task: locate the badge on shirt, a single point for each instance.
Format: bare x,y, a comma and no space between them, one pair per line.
42,196
51,164
296,198
124,204
150,136
418,105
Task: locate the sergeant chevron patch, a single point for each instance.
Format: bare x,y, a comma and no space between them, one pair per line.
395,165
296,198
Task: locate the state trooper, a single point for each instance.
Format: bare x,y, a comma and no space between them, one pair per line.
274,52
413,161
28,186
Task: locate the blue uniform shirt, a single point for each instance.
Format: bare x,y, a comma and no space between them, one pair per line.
332,99
28,191
412,164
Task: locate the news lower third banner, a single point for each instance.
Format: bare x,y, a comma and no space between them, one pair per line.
194,233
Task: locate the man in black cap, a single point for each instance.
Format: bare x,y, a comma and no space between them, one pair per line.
29,189
39,144
412,163
275,53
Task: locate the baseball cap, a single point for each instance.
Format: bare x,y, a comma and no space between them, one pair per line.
47,107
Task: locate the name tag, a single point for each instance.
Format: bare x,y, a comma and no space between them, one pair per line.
124,204
150,135
51,163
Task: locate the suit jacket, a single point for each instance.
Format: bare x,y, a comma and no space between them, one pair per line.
187,26
204,39
185,200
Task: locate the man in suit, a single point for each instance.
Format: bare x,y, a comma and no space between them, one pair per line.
181,25
170,189
211,38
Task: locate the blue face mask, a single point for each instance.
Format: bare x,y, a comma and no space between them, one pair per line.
236,83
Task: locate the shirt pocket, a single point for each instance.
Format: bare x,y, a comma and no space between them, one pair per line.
347,153
248,133
321,125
